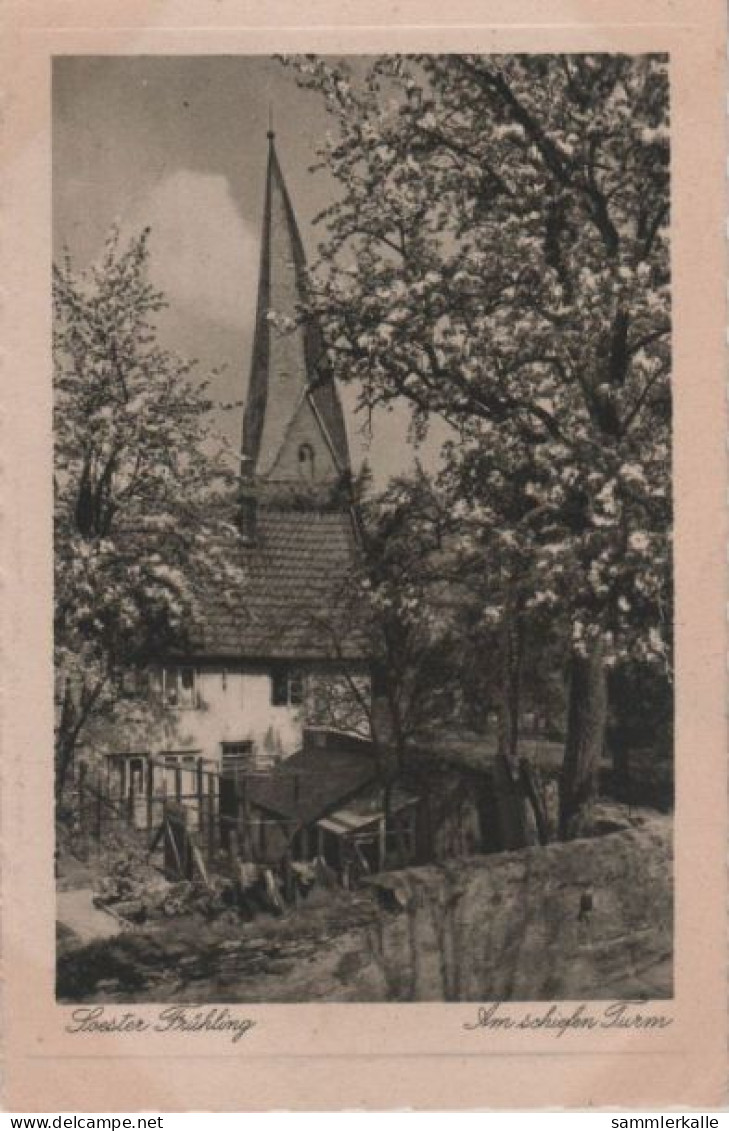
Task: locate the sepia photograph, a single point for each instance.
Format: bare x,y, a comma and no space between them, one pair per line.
363,513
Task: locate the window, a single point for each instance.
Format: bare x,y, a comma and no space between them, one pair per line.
306,462
287,687
236,756
279,687
136,775
186,760
178,687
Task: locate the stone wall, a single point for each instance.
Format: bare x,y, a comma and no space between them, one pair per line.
587,920
591,919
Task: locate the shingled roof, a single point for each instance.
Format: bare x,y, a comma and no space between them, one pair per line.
295,598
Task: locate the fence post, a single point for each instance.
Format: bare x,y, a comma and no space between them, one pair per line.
83,822
164,797
99,808
233,849
381,844
288,875
237,822
211,818
243,814
200,797
130,797
150,792
178,784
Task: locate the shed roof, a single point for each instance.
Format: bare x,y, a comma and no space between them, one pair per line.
312,783
365,809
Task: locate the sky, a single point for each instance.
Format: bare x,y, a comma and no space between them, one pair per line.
178,143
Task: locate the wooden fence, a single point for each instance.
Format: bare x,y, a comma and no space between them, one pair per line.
193,813
203,818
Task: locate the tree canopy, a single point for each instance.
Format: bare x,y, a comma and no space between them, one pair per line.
140,495
498,254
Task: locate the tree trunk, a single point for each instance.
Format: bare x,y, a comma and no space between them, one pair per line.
586,722
74,716
526,778
512,646
621,766
65,740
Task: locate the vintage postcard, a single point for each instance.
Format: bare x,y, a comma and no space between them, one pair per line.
364,527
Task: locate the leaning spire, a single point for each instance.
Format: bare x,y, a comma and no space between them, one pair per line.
287,364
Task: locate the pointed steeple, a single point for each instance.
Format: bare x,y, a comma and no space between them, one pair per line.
293,425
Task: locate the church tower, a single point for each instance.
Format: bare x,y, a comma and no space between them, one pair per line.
294,436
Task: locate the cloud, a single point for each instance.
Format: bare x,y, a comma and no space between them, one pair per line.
203,255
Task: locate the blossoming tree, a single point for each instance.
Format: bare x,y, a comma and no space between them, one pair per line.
497,254
140,492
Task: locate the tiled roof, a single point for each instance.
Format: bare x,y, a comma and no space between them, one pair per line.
312,783
294,601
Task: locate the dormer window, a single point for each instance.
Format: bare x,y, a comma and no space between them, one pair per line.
306,462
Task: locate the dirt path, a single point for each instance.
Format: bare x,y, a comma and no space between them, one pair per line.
76,911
